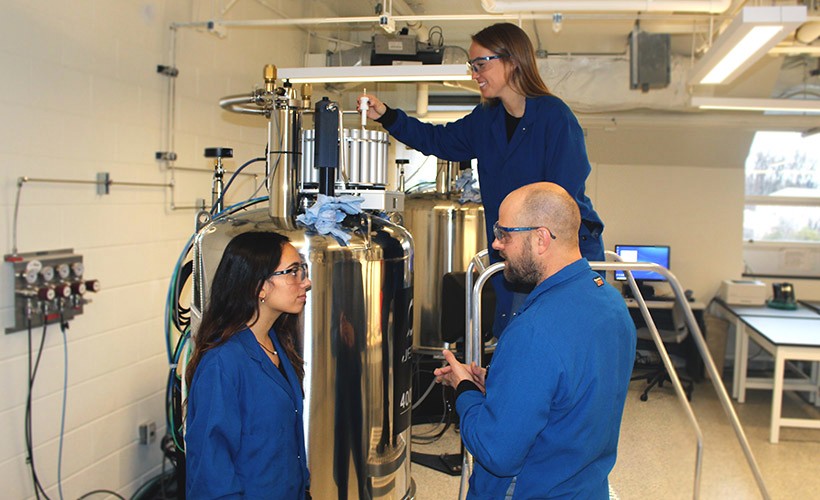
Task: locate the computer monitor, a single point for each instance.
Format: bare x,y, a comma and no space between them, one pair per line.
657,254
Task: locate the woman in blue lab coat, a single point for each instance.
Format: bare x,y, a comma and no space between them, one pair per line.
245,437
520,134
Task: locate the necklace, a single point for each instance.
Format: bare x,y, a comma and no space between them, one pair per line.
272,351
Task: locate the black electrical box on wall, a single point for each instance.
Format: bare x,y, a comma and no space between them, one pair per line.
649,60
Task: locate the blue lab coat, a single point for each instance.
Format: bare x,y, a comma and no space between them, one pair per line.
245,437
548,145
556,389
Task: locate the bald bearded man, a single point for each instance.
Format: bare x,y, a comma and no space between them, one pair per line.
545,422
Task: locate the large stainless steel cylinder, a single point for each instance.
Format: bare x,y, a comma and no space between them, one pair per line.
356,343
447,234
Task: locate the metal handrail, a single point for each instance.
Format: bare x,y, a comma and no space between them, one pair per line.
473,353
471,343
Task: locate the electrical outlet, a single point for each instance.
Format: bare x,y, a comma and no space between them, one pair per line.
148,432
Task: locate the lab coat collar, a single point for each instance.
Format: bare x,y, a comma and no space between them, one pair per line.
522,129
567,273
255,352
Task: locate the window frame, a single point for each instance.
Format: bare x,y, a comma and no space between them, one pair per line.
789,250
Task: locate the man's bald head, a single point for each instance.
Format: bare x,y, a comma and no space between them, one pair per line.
546,204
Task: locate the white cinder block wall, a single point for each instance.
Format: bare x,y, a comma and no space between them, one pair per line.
79,94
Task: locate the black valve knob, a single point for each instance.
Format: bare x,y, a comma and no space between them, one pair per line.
218,152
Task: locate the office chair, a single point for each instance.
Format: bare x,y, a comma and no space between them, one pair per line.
673,331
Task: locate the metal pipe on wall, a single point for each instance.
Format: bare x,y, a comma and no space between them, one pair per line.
105,182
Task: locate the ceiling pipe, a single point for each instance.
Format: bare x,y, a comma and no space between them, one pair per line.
808,33
401,8
422,99
507,6
795,49
255,23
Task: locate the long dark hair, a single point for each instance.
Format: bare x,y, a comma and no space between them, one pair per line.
511,42
249,260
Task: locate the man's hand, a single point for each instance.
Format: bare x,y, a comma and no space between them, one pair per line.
478,374
455,372
375,108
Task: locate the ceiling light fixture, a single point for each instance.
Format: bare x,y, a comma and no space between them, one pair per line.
744,104
749,36
396,73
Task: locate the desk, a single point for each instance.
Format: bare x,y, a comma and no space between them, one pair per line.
811,304
694,363
739,378
785,335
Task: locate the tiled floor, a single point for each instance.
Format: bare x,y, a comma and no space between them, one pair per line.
656,457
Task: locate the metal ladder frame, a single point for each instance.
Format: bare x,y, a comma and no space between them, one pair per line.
472,349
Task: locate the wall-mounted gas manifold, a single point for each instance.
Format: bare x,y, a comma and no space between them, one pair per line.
48,286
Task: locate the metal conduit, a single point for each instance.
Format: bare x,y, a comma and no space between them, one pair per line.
516,17
473,353
249,104
24,179
108,182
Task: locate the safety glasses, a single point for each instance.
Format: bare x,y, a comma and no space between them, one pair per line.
502,233
479,64
296,273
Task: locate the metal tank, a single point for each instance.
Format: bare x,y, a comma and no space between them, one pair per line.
356,328
447,234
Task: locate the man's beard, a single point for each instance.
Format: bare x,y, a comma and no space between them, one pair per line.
525,272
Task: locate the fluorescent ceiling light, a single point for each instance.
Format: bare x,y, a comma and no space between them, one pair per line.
740,53
749,36
396,73
518,6
743,104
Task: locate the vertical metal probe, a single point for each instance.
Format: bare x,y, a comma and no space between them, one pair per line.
364,105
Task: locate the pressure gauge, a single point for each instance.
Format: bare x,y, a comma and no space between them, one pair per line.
47,273
31,276
77,268
63,271
34,266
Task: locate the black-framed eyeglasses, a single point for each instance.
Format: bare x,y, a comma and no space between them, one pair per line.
478,65
501,233
294,274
